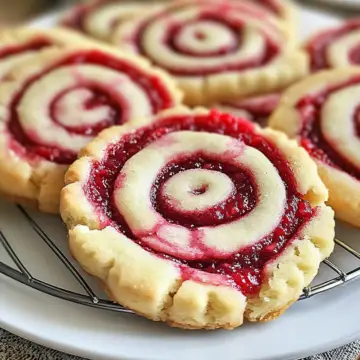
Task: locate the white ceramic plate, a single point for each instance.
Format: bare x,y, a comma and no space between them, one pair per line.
311,326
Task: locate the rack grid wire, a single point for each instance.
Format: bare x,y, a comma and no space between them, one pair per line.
22,275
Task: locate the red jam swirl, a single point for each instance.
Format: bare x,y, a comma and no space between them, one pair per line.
32,45
218,13
318,46
159,97
243,270
175,29
240,203
312,138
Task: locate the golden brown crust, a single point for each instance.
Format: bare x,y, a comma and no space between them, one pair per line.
270,316
162,297
35,188
56,36
344,190
39,181
295,268
237,85
37,185
156,289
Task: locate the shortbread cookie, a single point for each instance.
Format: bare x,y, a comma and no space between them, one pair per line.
20,44
256,109
53,106
335,47
197,218
99,18
322,112
217,50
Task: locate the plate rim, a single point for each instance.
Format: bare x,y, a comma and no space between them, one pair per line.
81,351
77,350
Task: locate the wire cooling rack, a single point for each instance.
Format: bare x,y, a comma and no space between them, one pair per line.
22,274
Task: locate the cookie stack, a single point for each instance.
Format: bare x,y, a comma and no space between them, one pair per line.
139,123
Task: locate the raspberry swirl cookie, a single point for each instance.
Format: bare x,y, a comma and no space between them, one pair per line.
335,47
56,104
256,109
197,218
20,44
323,113
99,18
217,50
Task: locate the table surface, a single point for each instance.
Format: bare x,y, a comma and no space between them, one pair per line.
15,348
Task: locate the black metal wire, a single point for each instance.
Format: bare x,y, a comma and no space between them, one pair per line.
59,255
59,292
24,276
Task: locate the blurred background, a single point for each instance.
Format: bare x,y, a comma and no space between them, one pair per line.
13,12
17,11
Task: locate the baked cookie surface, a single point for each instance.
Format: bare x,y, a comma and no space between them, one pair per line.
322,112
18,45
99,18
335,47
58,102
216,50
197,218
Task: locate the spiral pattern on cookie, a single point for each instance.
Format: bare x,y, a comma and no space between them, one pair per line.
99,18
194,38
336,47
19,45
256,109
323,113
212,47
64,98
191,187
327,121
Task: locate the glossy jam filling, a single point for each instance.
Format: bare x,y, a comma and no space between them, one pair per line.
245,269
33,45
317,48
270,51
241,202
312,138
98,99
175,29
158,95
